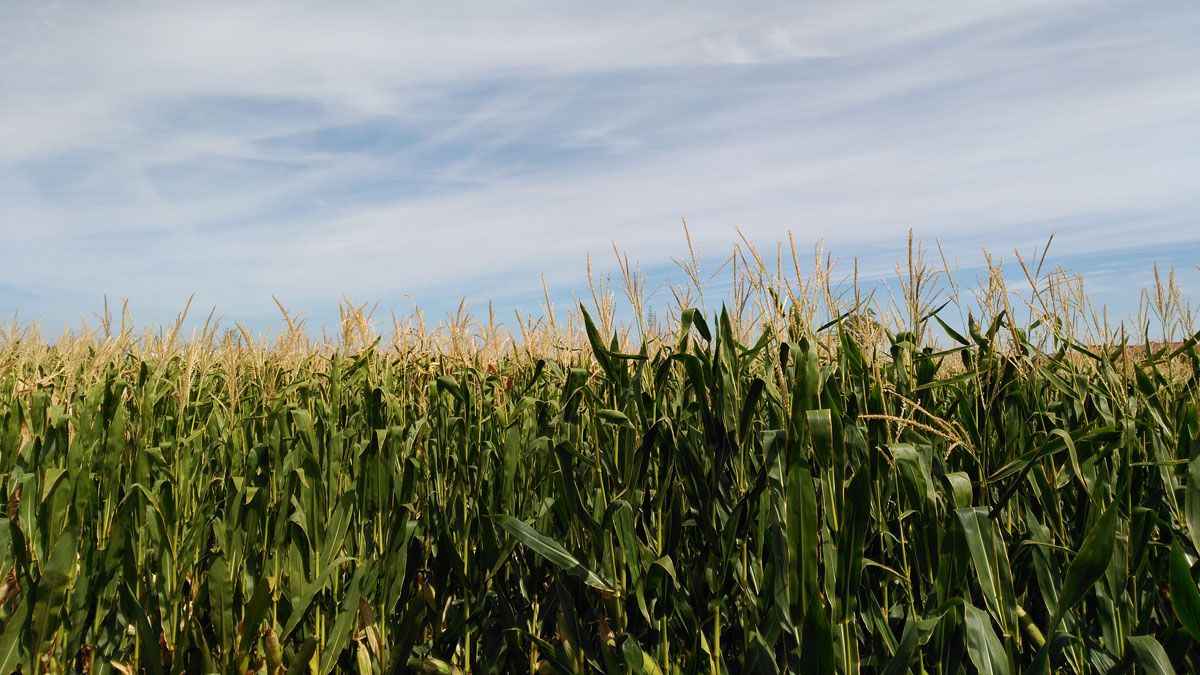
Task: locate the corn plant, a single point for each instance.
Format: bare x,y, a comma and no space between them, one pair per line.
808,499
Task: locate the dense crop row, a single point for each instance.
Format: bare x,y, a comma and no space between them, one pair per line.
812,502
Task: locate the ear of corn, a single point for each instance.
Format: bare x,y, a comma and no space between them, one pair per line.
735,496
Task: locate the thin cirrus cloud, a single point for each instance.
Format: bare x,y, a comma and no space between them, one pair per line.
239,150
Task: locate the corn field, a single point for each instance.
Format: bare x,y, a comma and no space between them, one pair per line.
754,488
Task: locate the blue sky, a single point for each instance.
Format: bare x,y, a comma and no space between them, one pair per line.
387,151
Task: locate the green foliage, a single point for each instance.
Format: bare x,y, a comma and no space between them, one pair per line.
810,503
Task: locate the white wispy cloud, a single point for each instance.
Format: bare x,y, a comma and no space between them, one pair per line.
235,150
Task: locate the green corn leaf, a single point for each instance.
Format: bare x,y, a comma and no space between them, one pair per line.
1150,655
802,537
817,642
149,655
302,602
1185,596
300,662
615,416
983,647
256,609
51,589
12,637
339,635
636,660
1192,501
623,524
989,557
1089,563
551,551
220,601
